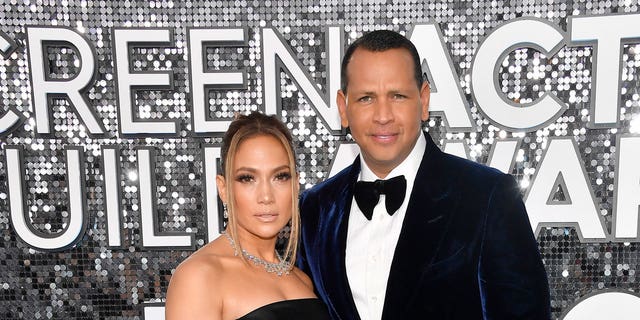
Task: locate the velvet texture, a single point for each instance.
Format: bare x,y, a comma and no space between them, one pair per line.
466,250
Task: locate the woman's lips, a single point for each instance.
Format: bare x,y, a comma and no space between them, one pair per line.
266,217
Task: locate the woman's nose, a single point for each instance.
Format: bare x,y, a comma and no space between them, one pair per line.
265,193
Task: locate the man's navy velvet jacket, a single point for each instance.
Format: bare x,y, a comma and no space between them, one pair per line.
466,250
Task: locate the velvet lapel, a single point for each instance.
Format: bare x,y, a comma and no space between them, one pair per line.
334,273
422,230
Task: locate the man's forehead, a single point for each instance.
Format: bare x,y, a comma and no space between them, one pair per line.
361,51
365,73
363,60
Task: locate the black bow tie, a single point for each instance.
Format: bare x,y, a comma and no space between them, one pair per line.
367,194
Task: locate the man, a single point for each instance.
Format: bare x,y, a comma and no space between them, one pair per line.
441,238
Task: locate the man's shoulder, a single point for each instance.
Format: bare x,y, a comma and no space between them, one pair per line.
466,169
471,180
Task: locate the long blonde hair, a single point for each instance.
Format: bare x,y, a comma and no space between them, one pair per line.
240,129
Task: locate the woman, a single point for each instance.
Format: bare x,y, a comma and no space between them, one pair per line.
240,275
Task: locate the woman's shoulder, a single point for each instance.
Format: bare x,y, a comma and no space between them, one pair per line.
202,269
189,291
208,263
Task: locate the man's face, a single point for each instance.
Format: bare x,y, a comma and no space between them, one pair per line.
383,106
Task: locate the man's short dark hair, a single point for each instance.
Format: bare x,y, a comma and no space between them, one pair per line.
381,40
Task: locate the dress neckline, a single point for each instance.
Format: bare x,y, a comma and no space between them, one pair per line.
271,304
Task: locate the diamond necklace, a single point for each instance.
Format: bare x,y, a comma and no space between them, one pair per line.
279,268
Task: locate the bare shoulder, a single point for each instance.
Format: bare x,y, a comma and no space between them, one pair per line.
204,264
189,294
197,268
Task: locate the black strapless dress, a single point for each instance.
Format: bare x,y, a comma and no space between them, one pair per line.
307,309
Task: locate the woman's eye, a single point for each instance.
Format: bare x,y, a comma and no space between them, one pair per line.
283,176
244,178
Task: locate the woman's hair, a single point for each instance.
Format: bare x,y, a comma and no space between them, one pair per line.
245,127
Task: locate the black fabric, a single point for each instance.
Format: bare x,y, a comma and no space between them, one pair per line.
367,194
306,309
466,250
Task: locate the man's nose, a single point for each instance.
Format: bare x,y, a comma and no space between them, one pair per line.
383,111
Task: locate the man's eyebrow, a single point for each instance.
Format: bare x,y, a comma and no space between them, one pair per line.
362,92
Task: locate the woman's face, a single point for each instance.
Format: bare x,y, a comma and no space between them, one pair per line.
261,184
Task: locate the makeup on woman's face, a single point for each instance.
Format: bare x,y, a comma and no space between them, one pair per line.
262,188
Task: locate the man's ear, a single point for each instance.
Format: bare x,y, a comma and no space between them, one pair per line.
425,94
221,183
341,101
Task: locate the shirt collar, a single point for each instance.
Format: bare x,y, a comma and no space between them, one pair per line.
408,167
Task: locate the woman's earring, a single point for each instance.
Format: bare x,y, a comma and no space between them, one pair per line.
225,213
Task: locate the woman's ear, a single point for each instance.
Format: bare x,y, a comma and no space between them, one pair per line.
221,183
296,183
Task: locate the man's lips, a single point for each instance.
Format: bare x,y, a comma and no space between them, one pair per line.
384,137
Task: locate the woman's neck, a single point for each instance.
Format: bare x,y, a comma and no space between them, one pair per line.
264,249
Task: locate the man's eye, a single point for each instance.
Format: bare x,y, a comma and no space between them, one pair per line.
398,96
364,99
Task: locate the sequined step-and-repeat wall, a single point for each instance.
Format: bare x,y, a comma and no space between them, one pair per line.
112,114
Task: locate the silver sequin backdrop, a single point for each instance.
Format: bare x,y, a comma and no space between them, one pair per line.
112,112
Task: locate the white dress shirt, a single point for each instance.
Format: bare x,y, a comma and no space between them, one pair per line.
371,244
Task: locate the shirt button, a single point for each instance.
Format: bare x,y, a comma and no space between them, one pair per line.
374,299
373,258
